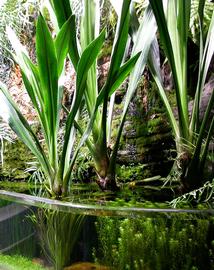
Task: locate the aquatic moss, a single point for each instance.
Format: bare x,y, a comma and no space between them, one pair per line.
18,263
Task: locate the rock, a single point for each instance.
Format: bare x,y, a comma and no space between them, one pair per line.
208,90
86,266
147,136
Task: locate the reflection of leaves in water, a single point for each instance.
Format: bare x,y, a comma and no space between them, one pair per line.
58,234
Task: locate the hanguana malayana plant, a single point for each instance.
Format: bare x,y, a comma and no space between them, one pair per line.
192,134
42,82
100,102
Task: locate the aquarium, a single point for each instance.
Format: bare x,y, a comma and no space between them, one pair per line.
43,233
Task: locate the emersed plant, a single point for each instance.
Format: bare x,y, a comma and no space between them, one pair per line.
99,108
42,82
192,134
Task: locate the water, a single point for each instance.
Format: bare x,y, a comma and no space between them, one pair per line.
66,235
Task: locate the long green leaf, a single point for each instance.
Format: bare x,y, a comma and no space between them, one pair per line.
90,27
170,43
62,10
123,73
47,65
87,58
31,78
203,69
119,46
144,38
154,66
66,42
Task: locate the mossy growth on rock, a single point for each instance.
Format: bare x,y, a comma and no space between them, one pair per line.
19,263
15,162
147,139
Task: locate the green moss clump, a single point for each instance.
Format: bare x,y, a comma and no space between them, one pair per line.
16,157
17,186
131,172
18,263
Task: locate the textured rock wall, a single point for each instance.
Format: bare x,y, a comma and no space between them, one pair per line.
147,136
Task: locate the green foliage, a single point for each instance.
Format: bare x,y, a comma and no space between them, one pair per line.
18,263
154,243
5,135
19,15
58,233
200,195
99,108
194,19
42,82
192,140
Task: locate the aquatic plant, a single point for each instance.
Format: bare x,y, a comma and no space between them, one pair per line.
154,243
192,134
194,21
99,108
204,194
58,232
18,263
42,82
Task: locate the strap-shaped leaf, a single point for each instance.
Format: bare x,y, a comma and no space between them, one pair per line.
170,41
120,40
66,42
30,77
87,58
62,10
123,73
144,38
47,65
204,64
154,67
48,73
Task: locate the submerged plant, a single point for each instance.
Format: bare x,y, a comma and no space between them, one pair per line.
163,243
192,134
99,107
58,232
